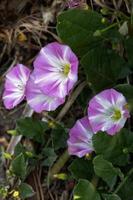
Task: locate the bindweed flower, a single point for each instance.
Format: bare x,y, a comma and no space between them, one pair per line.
15,83
108,111
75,3
37,100
80,138
56,69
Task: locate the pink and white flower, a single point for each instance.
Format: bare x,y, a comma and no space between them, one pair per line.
108,111
15,83
80,138
38,101
75,3
55,69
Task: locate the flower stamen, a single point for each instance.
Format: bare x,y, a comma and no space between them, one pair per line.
66,69
116,115
20,87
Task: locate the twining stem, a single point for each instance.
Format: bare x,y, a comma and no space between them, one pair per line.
58,165
64,157
109,27
123,182
94,181
70,101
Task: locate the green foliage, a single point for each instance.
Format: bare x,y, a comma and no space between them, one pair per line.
19,166
105,170
76,28
3,192
85,191
31,128
111,197
19,149
26,191
129,50
114,148
59,137
103,44
81,169
126,191
49,156
104,66
127,91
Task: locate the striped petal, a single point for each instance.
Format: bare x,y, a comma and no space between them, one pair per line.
80,138
38,101
107,111
15,83
75,3
55,69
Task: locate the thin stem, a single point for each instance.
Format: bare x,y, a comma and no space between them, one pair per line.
123,182
71,100
58,165
65,156
115,5
127,6
94,181
109,27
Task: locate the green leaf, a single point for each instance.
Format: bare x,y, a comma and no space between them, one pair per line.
85,190
19,148
114,148
129,50
50,156
59,137
126,191
19,166
76,28
111,197
105,170
81,169
127,91
26,191
32,128
103,67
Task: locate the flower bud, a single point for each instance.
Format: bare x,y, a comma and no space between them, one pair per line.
61,176
104,20
97,33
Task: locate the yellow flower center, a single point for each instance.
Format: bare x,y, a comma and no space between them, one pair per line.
66,69
117,115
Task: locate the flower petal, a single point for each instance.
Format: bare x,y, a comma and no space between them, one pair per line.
38,100
15,83
102,111
49,69
80,138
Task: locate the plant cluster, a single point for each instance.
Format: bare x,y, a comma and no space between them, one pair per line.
91,64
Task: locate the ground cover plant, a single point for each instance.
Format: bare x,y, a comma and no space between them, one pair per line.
66,100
